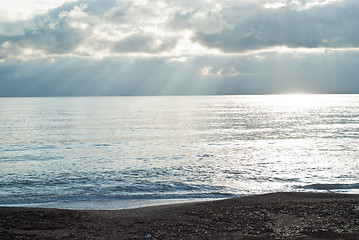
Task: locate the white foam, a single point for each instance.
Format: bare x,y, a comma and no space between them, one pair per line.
113,204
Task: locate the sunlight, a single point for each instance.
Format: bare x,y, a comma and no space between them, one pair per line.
303,100
298,99
186,45
274,5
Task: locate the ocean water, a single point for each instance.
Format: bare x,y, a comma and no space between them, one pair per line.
123,152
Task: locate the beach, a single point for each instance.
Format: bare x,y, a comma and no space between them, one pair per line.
268,216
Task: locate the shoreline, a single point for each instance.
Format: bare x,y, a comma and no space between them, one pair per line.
294,215
105,205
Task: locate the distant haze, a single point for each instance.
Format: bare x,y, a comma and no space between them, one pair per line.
158,47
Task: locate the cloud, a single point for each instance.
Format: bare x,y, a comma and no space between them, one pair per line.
19,28
96,29
143,47
208,22
24,9
50,35
90,28
178,59
328,24
135,13
222,72
144,42
307,4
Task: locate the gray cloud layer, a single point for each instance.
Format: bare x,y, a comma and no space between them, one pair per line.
332,26
233,27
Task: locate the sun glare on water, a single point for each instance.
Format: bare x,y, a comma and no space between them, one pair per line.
301,100
298,99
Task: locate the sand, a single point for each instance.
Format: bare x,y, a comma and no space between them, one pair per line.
269,216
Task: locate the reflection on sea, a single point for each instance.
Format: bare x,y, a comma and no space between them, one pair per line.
108,148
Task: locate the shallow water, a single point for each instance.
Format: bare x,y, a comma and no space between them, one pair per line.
184,147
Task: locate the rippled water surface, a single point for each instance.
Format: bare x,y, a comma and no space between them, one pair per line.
116,148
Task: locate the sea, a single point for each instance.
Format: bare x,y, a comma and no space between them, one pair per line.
127,152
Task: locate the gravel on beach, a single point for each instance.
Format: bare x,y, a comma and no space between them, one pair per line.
268,216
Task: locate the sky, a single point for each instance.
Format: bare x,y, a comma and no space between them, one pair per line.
187,47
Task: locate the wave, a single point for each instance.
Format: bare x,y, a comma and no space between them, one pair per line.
41,199
112,204
331,186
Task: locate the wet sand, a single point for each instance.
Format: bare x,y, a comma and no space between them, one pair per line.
269,216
